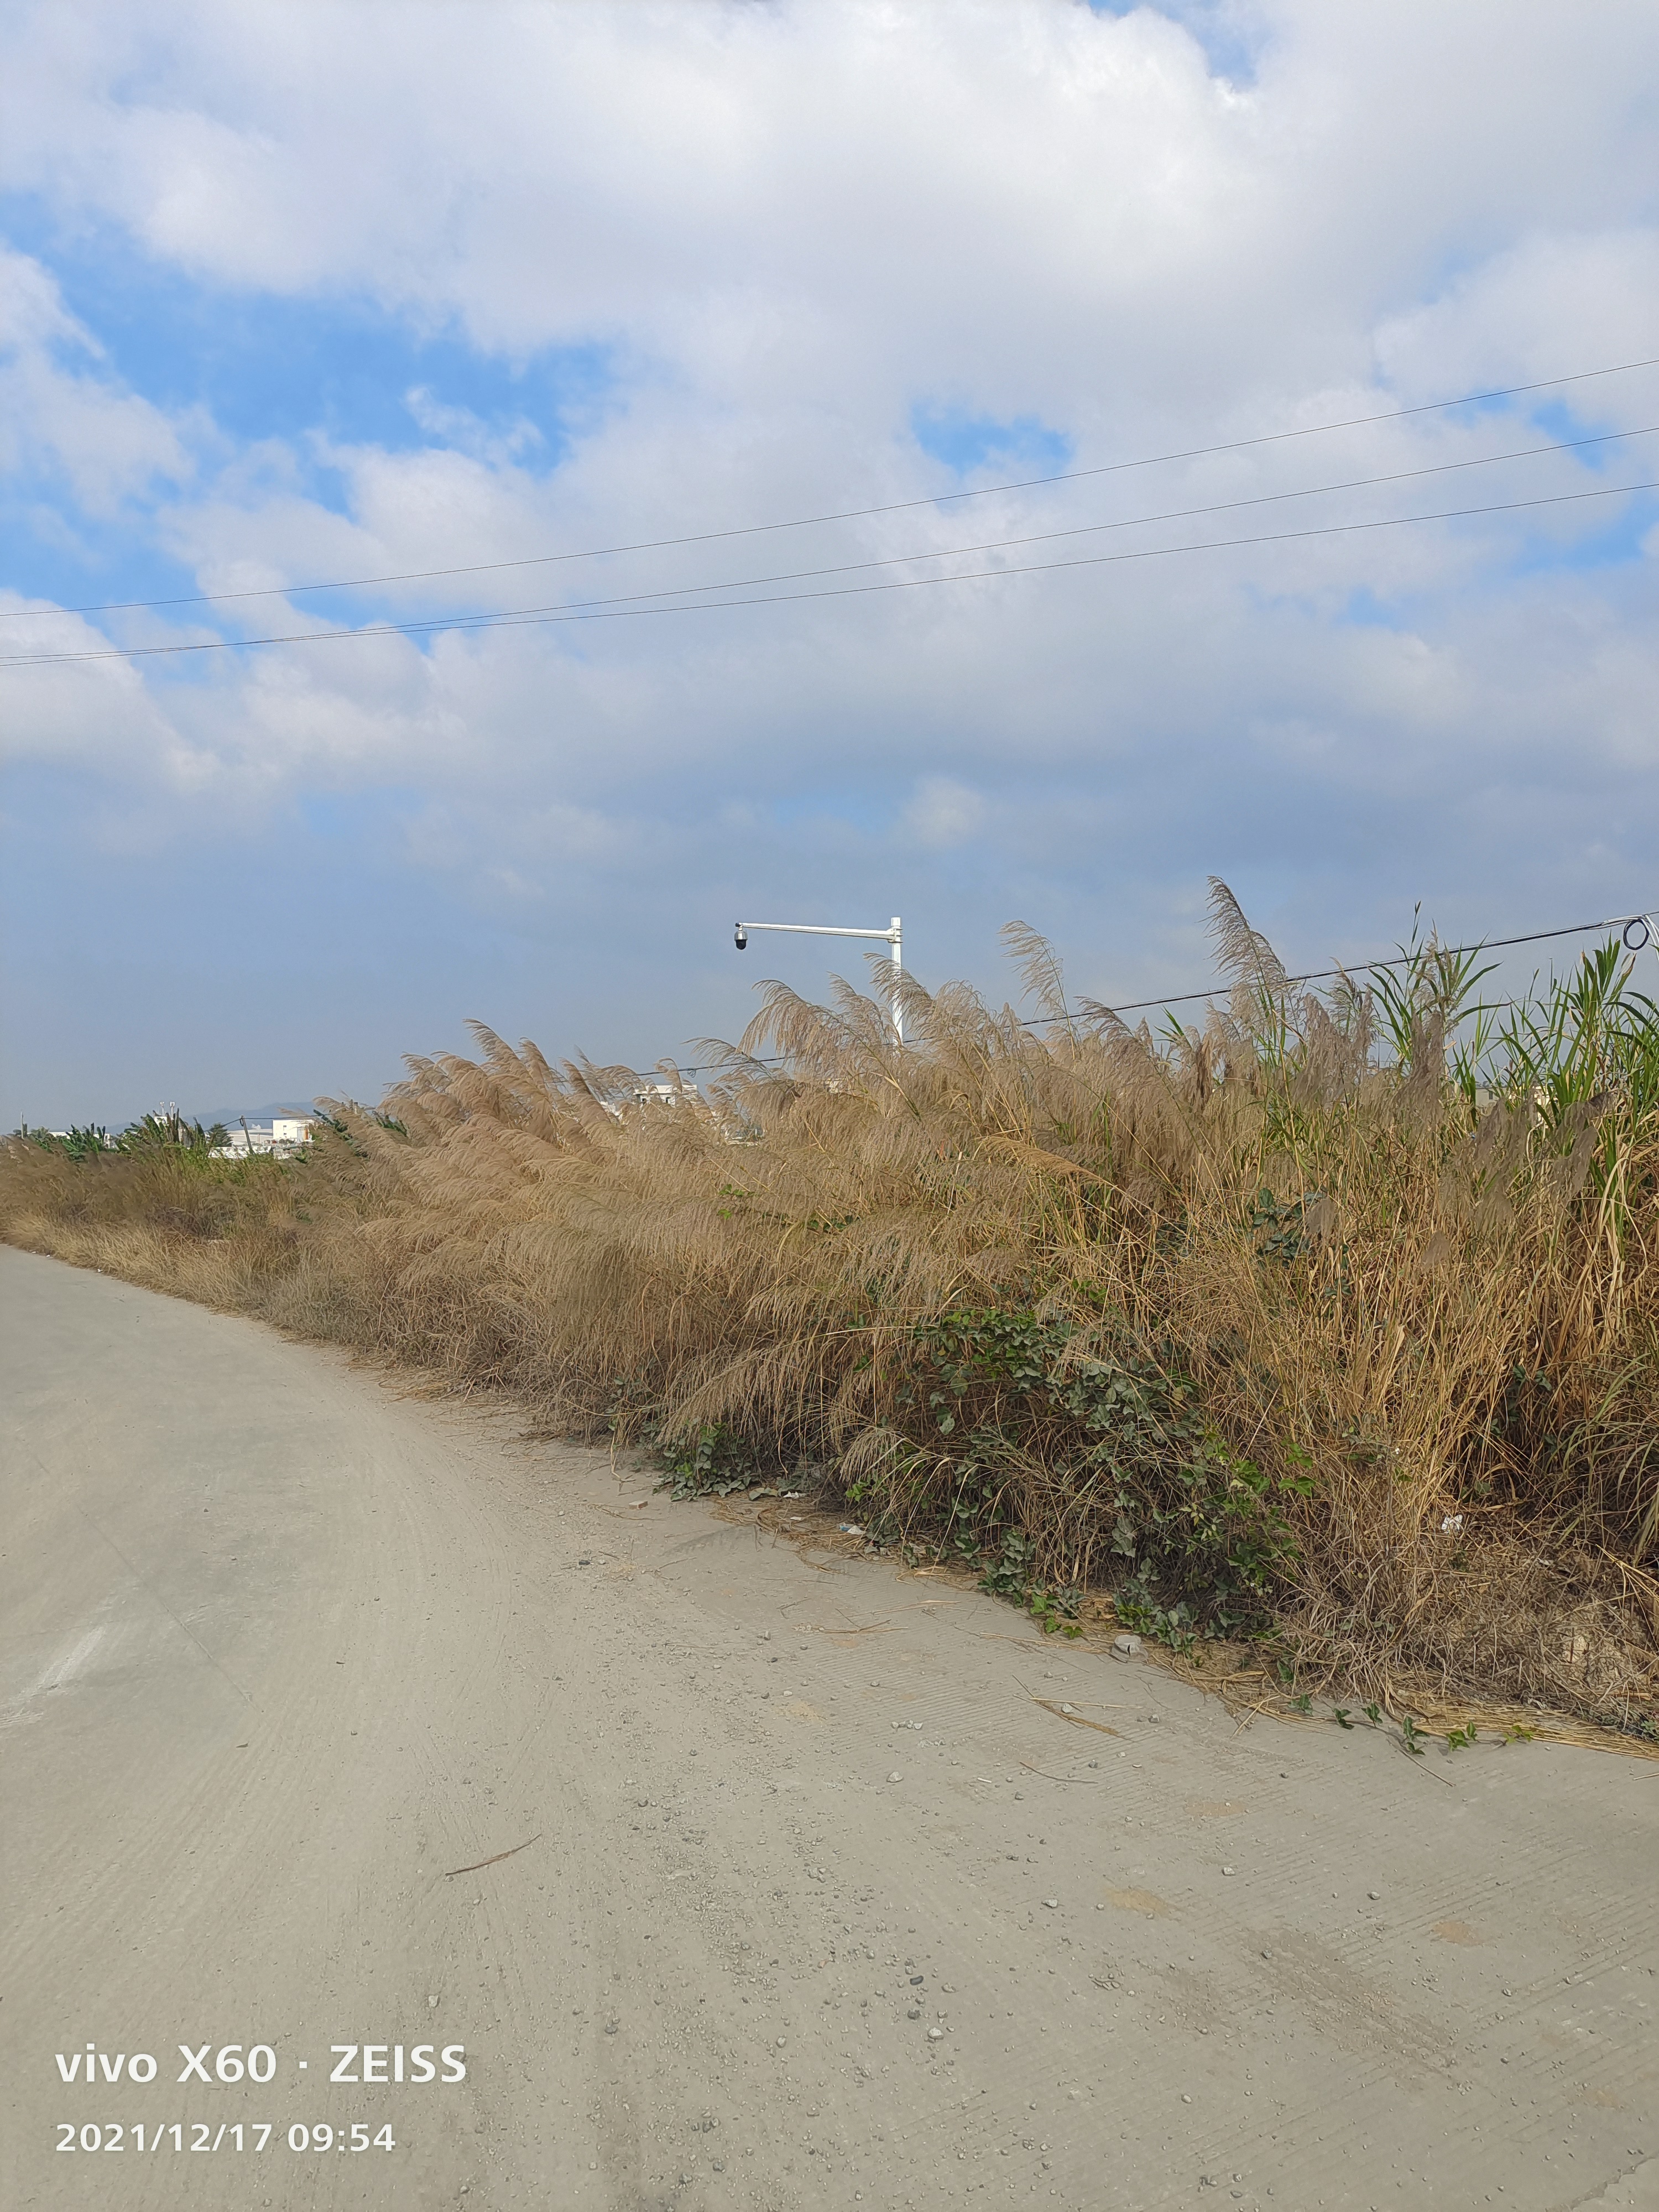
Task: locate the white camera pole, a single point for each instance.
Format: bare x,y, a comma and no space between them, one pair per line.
892,935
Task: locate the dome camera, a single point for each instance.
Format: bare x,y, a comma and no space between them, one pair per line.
740,937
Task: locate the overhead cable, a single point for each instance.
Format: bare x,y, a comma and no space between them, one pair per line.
859,513
1624,924
616,611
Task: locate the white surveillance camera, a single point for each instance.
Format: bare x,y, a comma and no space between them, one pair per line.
740,937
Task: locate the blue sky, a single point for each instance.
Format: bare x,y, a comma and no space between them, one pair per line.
292,292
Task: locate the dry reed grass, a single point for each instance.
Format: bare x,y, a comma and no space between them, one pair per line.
1017,1281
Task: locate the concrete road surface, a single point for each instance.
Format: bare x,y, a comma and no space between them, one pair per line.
338,1729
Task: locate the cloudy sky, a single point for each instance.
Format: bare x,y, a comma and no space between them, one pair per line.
297,294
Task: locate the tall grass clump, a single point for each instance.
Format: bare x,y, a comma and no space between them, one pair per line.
1336,1313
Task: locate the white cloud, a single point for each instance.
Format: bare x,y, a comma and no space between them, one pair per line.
944,812
110,443
1001,188
99,715
788,227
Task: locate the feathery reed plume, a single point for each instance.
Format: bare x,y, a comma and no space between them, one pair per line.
1240,1318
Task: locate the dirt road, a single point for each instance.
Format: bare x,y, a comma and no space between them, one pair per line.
788,1881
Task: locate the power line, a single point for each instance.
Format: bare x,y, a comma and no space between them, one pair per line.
1035,537
1624,923
855,514
615,611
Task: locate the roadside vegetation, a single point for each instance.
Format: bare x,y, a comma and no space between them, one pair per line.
166,1129
1334,1322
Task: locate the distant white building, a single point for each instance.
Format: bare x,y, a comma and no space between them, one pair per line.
664,1094
282,1137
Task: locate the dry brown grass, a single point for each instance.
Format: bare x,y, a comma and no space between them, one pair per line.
1345,1278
